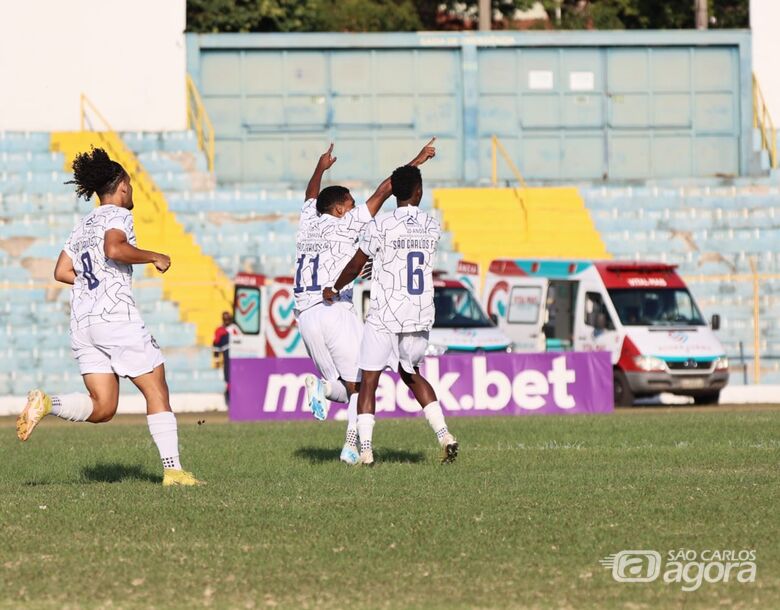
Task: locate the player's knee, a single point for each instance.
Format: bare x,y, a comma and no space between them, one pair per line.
406,377
103,410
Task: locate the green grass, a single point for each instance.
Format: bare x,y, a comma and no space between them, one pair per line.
520,521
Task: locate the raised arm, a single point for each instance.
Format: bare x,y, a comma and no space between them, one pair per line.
63,270
117,248
324,163
384,190
348,274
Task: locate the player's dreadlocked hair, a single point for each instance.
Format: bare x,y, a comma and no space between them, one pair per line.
404,181
330,196
95,172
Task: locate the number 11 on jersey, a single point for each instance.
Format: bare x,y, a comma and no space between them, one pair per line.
315,263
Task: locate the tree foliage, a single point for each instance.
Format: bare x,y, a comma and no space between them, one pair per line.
645,14
302,16
409,15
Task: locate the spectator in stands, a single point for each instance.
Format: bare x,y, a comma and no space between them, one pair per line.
221,347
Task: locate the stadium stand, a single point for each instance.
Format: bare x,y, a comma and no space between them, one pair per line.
712,233
495,223
243,229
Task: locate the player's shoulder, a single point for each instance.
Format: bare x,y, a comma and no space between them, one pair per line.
111,212
309,207
427,219
385,217
359,213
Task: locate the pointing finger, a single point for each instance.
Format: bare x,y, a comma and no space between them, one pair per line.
330,148
433,139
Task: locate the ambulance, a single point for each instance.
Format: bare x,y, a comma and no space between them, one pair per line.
640,312
263,311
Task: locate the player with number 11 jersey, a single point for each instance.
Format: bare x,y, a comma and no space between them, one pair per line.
328,235
402,244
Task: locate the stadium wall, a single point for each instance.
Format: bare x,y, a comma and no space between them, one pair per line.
764,23
586,106
128,58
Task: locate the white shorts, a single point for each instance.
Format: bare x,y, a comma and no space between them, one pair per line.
380,350
125,348
331,334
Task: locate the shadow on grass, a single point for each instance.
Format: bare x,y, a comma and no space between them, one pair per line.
320,455
116,473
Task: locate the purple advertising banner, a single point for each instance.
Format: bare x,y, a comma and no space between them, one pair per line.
469,385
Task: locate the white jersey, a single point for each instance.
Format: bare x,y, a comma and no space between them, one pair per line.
402,244
102,291
324,246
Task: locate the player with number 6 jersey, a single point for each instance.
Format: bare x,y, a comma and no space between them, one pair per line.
328,235
402,244
108,337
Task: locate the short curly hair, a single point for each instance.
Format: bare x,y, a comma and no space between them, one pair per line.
404,181
330,196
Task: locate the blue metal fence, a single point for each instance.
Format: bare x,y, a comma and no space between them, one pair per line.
567,105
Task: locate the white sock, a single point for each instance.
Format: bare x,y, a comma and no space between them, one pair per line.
335,390
73,407
164,432
352,418
436,419
365,426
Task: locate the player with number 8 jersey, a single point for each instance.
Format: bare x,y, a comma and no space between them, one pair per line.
102,291
108,337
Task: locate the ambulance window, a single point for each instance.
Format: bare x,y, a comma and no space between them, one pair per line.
524,305
246,310
594,305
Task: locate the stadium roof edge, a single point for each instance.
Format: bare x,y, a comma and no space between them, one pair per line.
322,40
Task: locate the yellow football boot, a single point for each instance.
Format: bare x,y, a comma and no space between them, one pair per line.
172,477
38,406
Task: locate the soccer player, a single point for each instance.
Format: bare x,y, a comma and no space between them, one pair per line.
108,337
328,233
402,244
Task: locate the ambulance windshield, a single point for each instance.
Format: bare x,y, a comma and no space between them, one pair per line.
457,308
656,307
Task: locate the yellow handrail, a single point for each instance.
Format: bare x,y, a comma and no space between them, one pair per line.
148,187
496,147
198,118
756,323
762,121
85,104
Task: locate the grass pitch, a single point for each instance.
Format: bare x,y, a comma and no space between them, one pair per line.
521,520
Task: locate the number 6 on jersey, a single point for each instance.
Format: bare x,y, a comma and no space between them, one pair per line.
415,279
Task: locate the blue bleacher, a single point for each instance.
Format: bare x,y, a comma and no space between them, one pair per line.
718,230
252,228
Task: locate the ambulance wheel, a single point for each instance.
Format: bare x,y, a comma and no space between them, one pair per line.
624,397
707,399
